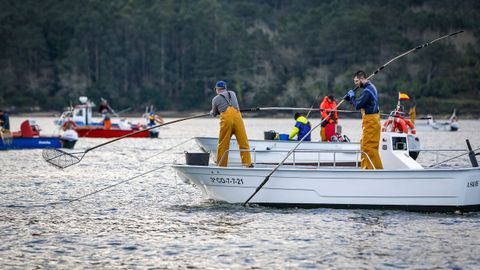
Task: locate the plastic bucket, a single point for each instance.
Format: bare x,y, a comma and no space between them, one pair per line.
269,135
284,137
199,159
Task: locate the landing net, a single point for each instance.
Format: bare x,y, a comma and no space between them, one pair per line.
61,159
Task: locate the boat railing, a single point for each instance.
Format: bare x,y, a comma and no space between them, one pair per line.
319,162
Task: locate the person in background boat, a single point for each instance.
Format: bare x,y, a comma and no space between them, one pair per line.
367,102
153,120
397,123
413,113
301,128
107,122
105,110
328,120
5,134
104,107
225,104
4,120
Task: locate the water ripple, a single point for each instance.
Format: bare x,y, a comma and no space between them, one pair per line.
155,221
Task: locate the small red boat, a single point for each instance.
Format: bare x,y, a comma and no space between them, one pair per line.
101,132
79,118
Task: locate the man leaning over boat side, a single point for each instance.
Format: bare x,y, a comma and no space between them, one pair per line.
367,102
301,128
225,104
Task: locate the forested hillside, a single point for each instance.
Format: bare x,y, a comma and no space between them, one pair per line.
169,53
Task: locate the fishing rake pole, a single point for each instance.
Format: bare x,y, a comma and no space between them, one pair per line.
338,105
313,104
62,159
328,110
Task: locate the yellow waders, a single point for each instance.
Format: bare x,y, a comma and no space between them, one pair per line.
231,122
370,141
322,134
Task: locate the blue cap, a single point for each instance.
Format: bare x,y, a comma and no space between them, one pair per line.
152,113
221,84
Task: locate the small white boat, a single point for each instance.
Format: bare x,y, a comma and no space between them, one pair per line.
310,153
403,184
433,125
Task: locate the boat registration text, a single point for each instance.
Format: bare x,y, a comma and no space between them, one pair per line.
227,180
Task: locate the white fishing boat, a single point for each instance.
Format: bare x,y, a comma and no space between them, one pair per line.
402,184
321,153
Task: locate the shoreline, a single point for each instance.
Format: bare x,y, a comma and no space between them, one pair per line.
264,114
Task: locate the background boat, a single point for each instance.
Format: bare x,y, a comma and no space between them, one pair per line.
29,138
429,124
81,119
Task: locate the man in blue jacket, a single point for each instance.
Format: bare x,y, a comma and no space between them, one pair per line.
302,127
367,102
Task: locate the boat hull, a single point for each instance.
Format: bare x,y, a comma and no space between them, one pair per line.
418,190
31,143
431,125
99,132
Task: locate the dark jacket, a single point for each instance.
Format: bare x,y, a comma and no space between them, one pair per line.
367,100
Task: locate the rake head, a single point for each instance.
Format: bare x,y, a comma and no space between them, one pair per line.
61,159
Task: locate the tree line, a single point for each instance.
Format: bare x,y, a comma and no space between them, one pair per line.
170,53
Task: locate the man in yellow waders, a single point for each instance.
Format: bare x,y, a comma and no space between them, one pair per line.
225,104
367,102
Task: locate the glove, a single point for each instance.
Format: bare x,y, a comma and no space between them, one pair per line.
349,95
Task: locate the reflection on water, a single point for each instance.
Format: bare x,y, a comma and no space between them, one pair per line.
156,221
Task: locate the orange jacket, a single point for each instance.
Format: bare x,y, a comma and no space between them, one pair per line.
326,107
399,125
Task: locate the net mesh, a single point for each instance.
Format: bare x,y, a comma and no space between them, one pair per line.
61,159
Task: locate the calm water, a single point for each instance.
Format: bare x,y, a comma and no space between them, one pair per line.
156,221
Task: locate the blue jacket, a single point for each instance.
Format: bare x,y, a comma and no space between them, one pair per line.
302,127
5,121
367,100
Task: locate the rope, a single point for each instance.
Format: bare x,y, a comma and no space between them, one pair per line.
447,160
309,109
89,194
168,149
113,185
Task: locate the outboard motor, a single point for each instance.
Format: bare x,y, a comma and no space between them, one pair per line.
472,155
